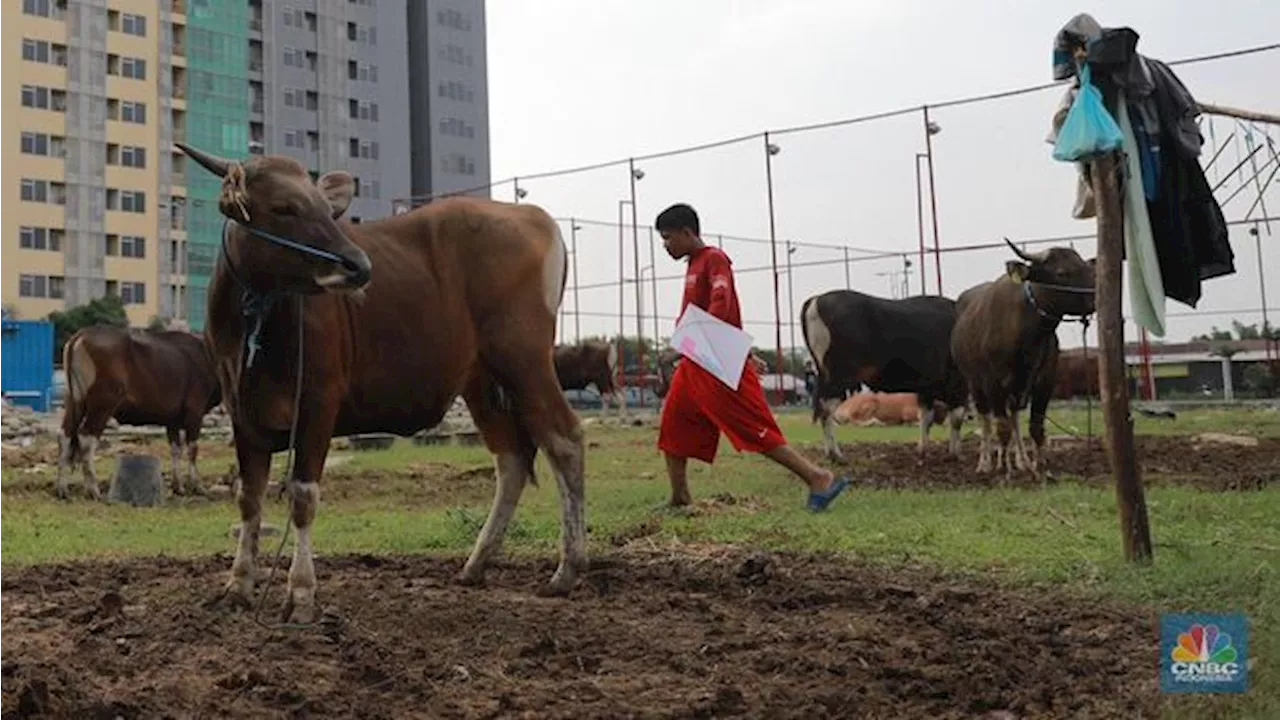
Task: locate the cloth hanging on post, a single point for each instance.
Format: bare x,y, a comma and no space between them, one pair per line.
1146,288
1190,232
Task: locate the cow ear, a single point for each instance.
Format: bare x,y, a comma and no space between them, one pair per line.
1017,270
1093,262
338,188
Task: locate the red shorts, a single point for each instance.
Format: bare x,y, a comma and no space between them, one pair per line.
698,407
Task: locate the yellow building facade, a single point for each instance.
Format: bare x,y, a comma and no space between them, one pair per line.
82,150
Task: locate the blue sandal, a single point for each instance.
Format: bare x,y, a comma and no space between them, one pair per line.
819,501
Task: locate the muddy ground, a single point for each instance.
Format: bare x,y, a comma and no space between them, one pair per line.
1164,460
708,632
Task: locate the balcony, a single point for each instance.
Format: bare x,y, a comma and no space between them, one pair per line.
178,7
255,105
255,64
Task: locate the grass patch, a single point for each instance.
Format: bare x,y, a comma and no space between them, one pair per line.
1215,552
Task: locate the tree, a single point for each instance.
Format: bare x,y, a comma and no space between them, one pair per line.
108,310
1242,332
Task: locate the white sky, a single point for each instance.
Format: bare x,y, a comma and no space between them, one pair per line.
576,82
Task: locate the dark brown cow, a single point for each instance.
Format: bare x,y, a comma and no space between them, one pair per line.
591,363
1005,343
1077,375
138,377
397,318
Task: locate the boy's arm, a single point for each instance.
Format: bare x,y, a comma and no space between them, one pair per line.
720,275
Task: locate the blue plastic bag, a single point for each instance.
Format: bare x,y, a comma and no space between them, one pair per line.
1088,129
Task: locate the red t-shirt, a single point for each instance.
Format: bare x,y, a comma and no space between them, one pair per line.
708,283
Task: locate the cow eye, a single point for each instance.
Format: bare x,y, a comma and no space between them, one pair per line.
284,210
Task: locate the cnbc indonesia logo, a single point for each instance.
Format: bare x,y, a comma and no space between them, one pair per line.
1205,659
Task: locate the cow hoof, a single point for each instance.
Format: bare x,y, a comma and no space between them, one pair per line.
466,579
62,493
301,612
232,597
556,589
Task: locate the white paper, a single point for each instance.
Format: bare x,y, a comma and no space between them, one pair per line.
716,346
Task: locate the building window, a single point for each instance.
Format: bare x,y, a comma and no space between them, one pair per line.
293,138
364,72
127,111
135,68
133,293
126,155
453,19
133,246
131,24
35,190
458,164
132,156
455,54
456,91
43,51
44,8
35,143
134,201
130,67
35,286
38,238
43,98
358,110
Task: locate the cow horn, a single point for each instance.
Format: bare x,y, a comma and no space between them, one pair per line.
1029,257
214,164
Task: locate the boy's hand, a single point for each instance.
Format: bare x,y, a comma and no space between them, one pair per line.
761,366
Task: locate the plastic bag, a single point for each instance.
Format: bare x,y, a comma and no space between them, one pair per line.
1089,129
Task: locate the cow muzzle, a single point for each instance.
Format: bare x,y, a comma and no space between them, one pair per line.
352,274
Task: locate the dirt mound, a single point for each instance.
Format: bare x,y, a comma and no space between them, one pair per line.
715,634
1164,461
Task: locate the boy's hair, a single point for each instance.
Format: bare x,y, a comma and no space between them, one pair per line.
678,217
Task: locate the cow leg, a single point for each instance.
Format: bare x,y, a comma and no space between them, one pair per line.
1019,449
926,421
620,395
67,455
102,402
827,409
554,427
317,413
192,437
956,417
1004,431
984,453
513,453
255,467
175,452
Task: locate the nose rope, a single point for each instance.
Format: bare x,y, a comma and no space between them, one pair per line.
255,306
1031,299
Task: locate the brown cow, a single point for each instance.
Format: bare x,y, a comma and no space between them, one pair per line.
1005,342
591,363
396,317
875,408
1077,375
138,377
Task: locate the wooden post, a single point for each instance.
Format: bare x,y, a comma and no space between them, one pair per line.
1134,528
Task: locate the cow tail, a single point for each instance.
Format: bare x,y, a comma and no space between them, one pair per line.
73,412
815,400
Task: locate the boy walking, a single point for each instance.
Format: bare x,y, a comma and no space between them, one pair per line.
698,406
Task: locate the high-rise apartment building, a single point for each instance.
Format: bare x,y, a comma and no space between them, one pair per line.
98,201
